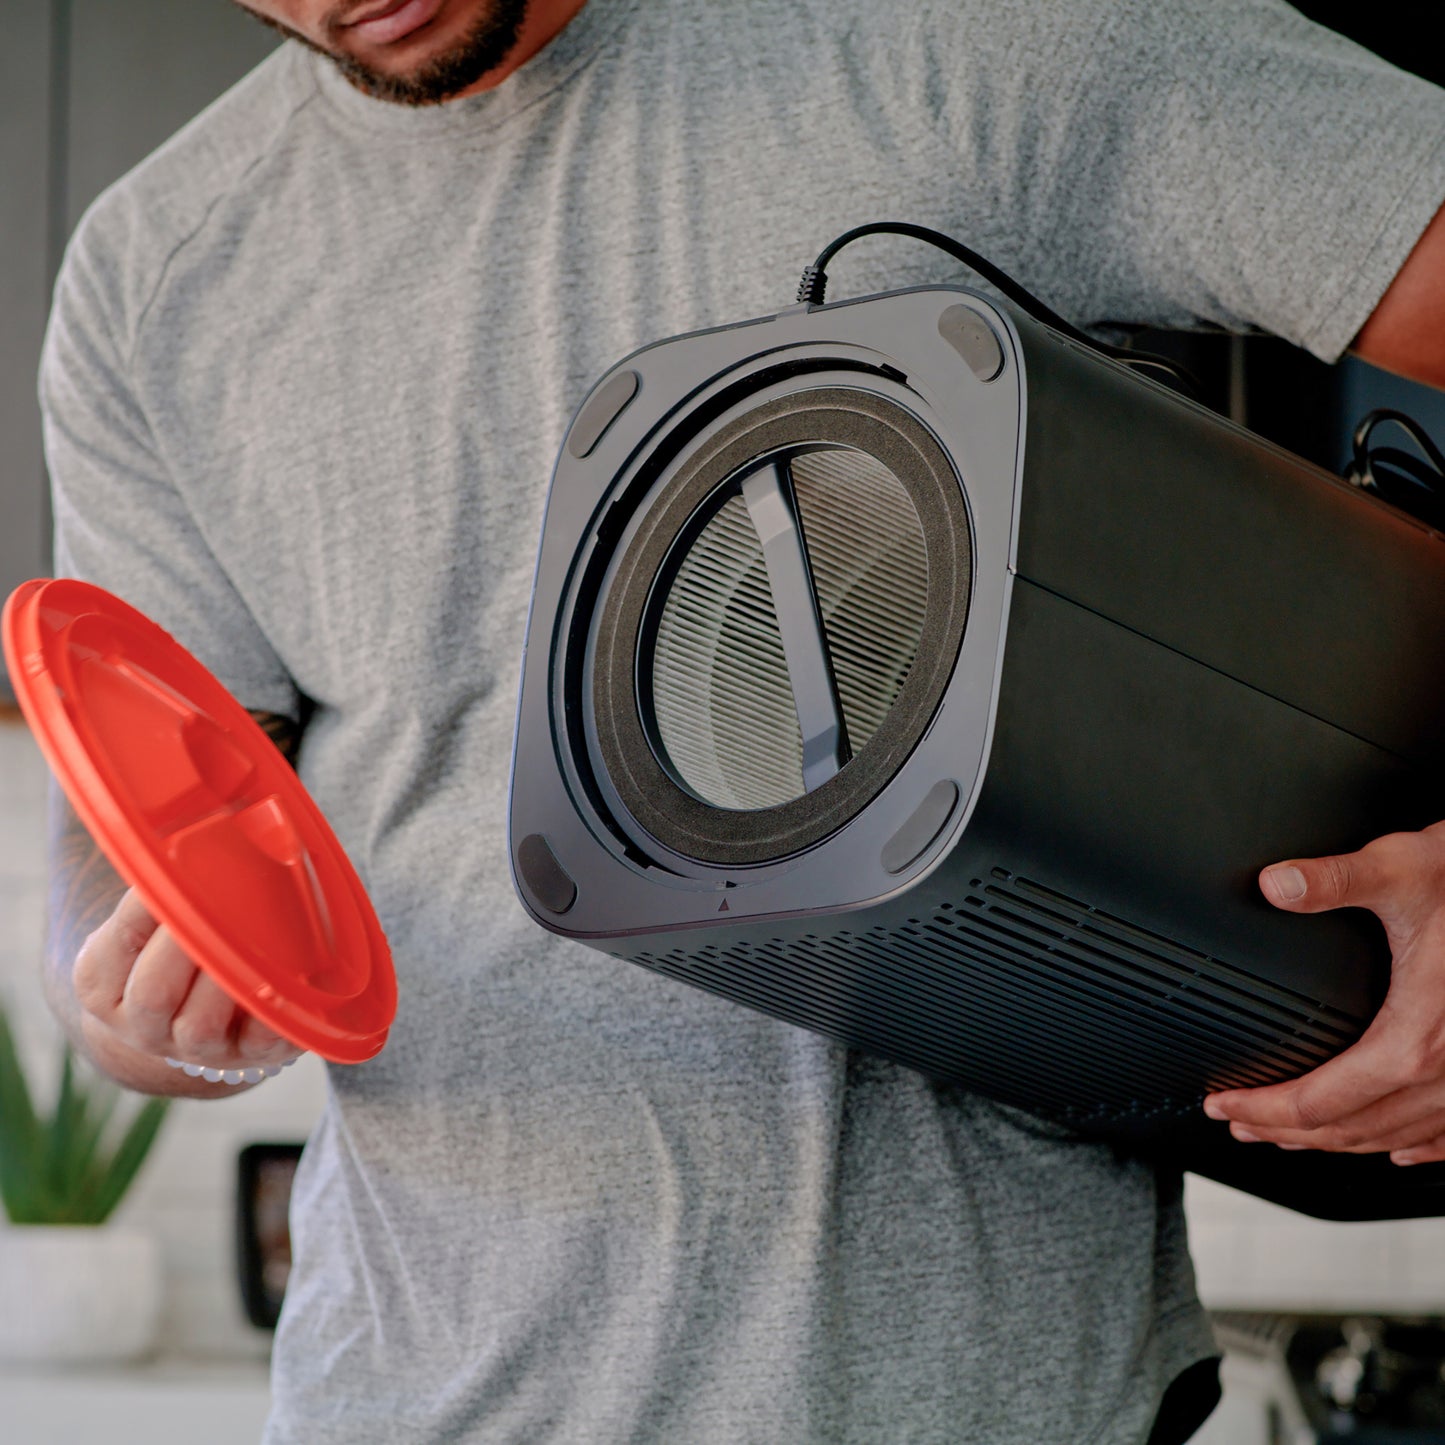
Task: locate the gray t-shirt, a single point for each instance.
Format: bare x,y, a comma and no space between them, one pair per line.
307,374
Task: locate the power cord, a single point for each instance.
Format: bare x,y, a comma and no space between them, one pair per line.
814,284
1414,484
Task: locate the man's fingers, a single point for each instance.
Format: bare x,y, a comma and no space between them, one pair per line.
160,981
1396,876
258,1044
1430,1152
133,919
136,987
106,958
1405,1119
1372,1069
204,1030
1419,1132
1387,1092
136,981
1312,885
211,1028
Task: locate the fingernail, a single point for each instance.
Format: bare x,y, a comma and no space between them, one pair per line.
1214,1109
1289,883
1244,1136
1404,1160
1292,1147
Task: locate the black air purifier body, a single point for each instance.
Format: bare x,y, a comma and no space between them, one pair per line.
917,675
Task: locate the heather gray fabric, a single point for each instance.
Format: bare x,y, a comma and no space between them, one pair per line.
308,371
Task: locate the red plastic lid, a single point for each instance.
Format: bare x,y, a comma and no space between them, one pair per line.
199,812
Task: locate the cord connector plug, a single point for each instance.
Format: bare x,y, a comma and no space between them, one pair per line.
813,287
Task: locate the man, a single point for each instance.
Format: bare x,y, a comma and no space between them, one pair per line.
303,384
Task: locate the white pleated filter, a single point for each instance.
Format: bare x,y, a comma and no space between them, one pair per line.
720,688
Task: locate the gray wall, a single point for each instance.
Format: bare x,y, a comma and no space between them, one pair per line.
87,89
26,66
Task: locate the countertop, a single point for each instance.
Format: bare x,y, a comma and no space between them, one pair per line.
165,1401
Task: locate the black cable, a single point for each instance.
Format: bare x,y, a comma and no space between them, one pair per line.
814,284
1413,484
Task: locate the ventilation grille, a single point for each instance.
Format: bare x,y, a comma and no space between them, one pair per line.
720,688
1036,999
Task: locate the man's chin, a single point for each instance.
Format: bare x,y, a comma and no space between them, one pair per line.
417,86
441,77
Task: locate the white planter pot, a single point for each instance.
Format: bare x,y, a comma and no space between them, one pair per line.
72,1294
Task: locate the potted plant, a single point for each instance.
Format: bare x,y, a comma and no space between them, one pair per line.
73,1291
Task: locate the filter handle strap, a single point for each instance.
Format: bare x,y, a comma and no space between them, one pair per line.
771,504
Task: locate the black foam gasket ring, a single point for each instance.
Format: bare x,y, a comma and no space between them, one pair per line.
697,830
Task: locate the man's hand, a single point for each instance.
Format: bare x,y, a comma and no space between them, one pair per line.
1387,1092
126,995
136,990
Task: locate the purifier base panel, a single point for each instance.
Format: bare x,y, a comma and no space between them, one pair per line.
786,974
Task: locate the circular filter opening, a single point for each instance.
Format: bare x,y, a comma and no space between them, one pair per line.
775,634
788,618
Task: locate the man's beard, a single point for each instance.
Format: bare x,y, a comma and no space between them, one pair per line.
484,47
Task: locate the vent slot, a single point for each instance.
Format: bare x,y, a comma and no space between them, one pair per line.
1036,999
1068,920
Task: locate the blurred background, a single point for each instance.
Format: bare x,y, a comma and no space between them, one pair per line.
1316,1316
87,88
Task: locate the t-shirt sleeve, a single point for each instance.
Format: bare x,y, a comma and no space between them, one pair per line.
1176,163
120,521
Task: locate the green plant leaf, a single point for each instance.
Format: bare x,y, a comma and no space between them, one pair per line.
68,1115
87,1140
57,1169
129,1155
20,1133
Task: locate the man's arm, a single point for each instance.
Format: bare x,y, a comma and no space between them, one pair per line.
1406,332
120,985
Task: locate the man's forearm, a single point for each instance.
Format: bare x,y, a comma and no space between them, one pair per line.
83,892
1406,333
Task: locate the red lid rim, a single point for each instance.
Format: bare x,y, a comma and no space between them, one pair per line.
62,743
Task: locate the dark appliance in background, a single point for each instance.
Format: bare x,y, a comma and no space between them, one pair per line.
264,1174
1400,31
727,766
1333,1379
1276,389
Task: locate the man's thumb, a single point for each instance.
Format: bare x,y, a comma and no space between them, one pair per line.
1308,885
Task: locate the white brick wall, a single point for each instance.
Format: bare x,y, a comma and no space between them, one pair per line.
1249,1255
1255,1256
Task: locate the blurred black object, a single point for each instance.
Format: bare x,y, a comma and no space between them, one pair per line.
1332,1379
1374,1375
1280,391
1188,1402
1402,33
264,1174
1413,479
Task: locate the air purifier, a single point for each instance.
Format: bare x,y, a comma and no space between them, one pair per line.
914,673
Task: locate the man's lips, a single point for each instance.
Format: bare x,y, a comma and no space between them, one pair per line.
388,23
